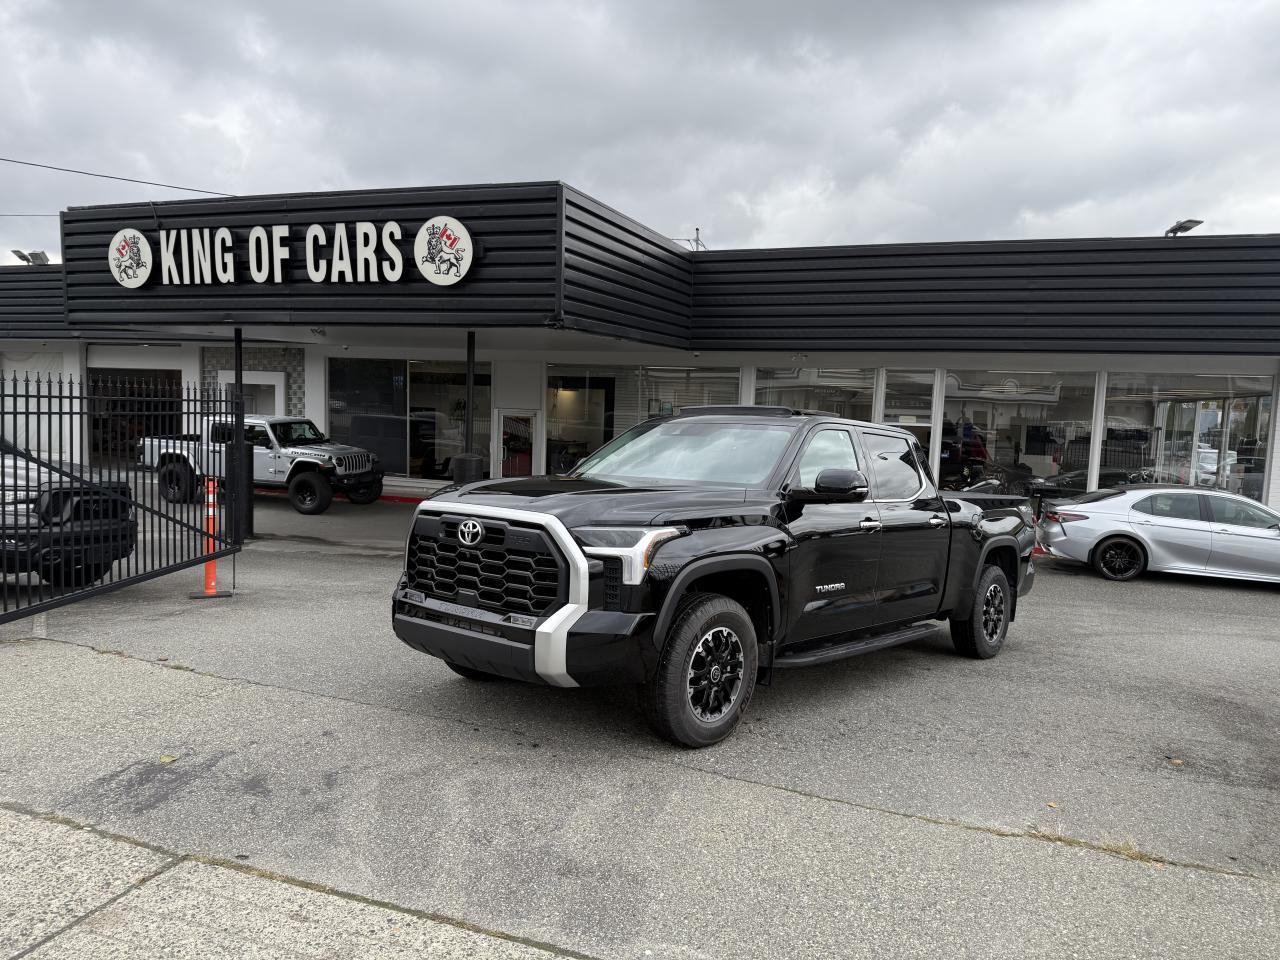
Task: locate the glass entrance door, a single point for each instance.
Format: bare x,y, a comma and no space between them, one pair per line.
517,443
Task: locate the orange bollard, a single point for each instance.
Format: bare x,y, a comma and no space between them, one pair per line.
210,521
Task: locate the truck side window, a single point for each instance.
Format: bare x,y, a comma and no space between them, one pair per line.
220,432
827,450
896,475
257,435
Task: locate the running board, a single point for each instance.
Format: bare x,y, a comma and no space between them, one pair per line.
851,648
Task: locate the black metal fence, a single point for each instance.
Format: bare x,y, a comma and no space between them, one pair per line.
106,483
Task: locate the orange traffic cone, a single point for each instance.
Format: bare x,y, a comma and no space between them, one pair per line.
210,545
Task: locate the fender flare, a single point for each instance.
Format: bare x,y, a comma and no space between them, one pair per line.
307,465
725,564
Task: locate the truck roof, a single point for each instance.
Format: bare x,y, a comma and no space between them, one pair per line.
747,413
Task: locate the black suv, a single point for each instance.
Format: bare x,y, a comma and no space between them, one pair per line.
696,554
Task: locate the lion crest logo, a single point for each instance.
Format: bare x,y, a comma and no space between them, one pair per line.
442,250
129,257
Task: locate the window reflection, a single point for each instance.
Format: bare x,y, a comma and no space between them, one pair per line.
1027,429
1204,430
846,393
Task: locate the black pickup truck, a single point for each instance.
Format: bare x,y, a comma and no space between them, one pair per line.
696,554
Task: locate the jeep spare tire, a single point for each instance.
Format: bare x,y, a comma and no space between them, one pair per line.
177,483
310,492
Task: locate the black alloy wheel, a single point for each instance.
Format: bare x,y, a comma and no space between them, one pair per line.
715,674
310,493
1119,558
994,616
177,483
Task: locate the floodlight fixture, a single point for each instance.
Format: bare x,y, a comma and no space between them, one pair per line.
39,257
1182,226
21,256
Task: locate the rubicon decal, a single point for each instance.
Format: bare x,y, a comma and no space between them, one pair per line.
360,252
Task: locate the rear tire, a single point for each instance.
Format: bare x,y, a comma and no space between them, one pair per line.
706,673
471,673
310,493
981,634
177,483
1119,559
365,495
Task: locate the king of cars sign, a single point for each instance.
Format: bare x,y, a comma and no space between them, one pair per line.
362,252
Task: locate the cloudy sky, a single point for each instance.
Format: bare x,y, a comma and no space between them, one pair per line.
763,123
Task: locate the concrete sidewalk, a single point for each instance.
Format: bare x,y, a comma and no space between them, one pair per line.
74,892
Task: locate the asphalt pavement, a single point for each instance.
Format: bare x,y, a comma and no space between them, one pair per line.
1106,787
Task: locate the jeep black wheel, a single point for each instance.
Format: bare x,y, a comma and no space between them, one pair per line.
1119,558
310,493
981,634
365,494
177,483
706,673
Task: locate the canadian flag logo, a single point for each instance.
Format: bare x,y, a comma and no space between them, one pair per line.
448,237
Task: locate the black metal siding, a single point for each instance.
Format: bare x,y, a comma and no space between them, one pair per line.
31,303
1149,295
620,278
514,283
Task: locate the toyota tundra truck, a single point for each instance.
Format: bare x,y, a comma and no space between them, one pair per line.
696,554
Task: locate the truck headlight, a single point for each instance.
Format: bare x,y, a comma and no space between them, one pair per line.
634,546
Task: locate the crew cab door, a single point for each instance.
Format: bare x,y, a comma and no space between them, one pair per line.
915,529
264,454
837,545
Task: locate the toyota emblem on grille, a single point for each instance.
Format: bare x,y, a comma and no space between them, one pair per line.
470,532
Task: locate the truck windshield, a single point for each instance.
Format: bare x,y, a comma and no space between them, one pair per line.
292,432
692,451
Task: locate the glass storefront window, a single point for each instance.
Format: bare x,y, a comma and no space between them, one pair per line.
367,408
408,412
589,406
1205,430
908,402
1028,429
437,409
846,393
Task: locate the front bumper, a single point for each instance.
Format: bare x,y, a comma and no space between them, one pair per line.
601,647
348,481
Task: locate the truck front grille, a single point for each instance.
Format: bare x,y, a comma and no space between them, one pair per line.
354,462
513,569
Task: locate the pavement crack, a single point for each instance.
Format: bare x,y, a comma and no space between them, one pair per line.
176,858
138,884
1125,850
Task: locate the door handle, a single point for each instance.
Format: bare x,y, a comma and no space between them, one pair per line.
870,524
937,522
1227,532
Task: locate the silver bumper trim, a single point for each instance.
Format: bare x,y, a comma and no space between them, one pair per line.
551,640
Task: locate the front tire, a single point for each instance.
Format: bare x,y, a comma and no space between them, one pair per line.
981,634
706,673
310,493
1119,559
366,494
64,575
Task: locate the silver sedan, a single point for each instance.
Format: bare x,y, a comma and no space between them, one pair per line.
1124,531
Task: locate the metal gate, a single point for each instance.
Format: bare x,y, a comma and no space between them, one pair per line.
104,483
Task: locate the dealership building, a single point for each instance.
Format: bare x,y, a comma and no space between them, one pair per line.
1058,364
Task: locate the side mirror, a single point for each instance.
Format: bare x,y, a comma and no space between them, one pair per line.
834,486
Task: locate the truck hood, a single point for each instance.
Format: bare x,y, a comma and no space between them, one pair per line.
328,448
578,502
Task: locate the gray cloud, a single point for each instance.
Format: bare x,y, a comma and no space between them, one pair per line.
762,123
